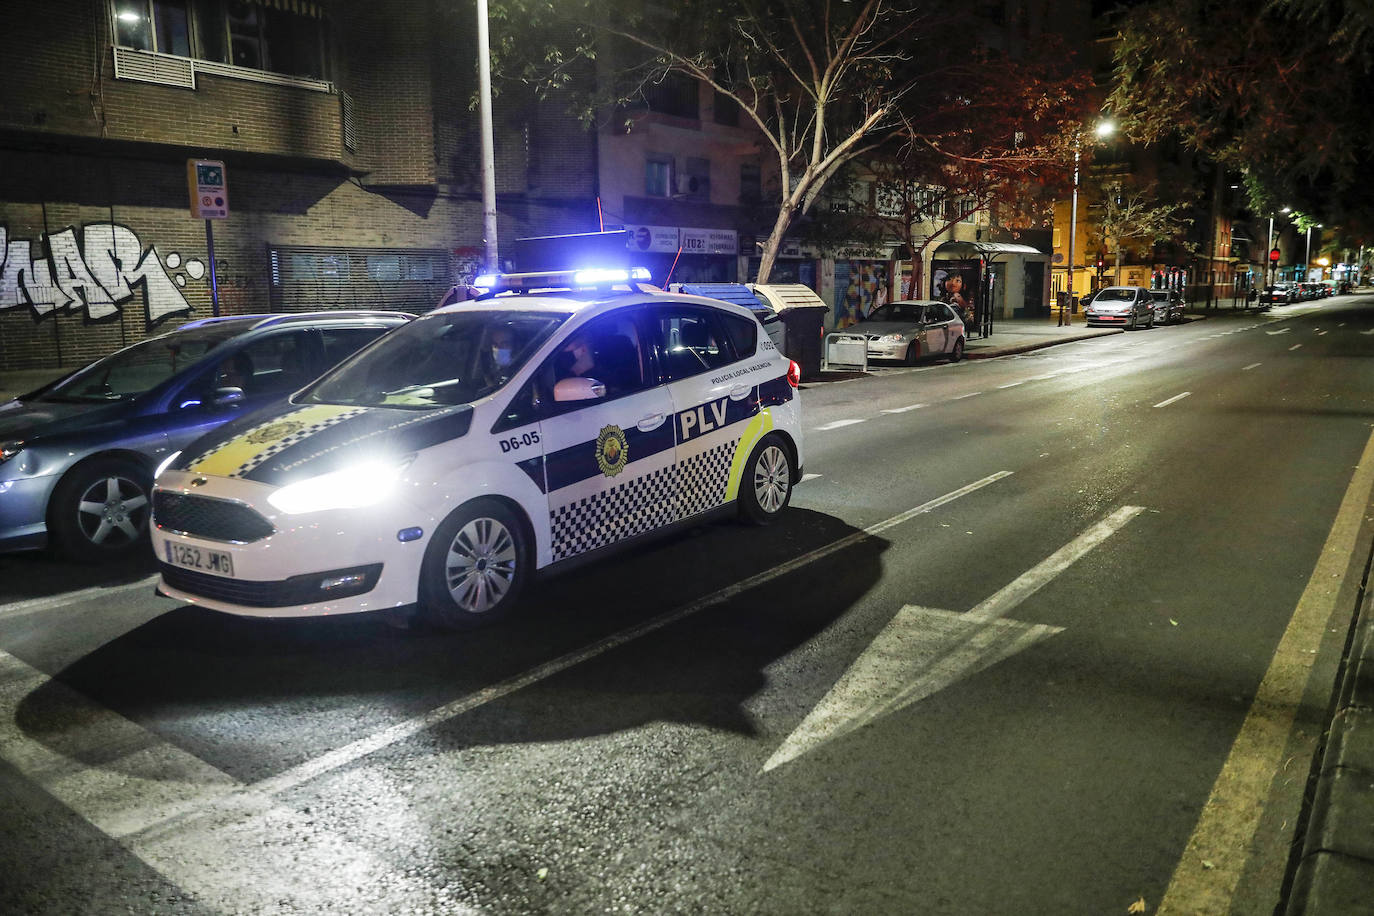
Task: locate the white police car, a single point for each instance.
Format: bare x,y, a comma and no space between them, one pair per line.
447,463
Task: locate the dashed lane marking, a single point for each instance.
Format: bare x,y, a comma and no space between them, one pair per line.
837,424
971,394
1249,367
904,409
1295,347
1175,398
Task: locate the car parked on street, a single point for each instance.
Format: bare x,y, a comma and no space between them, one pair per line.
1278,294
560,417
1168,305
1130,307
77,456
911,330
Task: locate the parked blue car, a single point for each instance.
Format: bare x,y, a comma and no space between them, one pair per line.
77,457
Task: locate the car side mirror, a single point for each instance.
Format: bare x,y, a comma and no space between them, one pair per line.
579,389
225,396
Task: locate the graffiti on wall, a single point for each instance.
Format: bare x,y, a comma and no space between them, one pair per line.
99,272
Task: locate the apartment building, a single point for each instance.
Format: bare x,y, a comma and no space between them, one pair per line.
350,156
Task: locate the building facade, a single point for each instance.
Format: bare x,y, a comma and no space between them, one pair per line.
349,153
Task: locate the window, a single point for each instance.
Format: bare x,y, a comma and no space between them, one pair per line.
287,38
750,183
691,342
743,334
658,173
153,25
725,110
608,349
675,95
696,179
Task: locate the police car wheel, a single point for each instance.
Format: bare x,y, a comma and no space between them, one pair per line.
475,566
766,486
99,511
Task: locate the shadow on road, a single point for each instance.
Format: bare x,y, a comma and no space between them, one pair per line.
253,697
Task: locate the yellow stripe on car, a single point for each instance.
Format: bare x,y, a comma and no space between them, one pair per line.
243,448
758,427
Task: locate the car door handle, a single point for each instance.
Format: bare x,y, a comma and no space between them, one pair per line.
740,392
651,422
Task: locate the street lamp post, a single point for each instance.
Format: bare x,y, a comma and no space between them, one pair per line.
488,141
1103,129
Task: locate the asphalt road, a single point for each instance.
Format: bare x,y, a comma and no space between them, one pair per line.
1053,633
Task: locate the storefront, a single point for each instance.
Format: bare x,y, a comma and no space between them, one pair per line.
685,254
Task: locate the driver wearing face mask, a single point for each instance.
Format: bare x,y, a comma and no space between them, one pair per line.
500,354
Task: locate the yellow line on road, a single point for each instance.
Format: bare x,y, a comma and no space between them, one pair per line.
1223,841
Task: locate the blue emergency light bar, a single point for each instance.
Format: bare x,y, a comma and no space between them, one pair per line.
596,278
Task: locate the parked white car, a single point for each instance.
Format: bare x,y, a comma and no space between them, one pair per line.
1130,307
911,330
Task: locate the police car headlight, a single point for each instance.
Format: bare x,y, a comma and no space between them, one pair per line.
353,487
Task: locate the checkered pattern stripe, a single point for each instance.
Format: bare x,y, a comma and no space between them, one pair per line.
632,508
276,448
704,478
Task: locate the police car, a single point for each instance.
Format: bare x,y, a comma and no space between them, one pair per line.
555,418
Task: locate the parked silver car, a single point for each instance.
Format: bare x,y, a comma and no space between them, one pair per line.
1129,307
1168,305
909,330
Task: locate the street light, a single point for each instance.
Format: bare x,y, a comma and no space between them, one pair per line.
1103,129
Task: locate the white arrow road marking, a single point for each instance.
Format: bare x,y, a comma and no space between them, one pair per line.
922,650
1279,331
835,425
1177,397
806,477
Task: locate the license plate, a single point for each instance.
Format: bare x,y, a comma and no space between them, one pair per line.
215,562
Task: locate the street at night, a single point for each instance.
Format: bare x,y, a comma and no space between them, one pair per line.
1055,632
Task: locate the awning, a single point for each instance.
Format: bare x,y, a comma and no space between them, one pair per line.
964,250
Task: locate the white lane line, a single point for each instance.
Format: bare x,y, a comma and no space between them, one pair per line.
19,608
228,863
356,750
1229,821
904,409
806,477
1249,367
1321,333
1012,384
1279,331
1295,347
1177,397
971,394
922,651
835,425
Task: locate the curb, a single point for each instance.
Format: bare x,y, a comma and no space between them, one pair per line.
1336,870
1038,344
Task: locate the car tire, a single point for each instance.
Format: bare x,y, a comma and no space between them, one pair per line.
99,511
475,566
913,353
765,486
957,353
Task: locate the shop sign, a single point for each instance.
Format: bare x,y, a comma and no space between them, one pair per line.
709,241
653,238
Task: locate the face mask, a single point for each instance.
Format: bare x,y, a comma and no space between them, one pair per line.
501,355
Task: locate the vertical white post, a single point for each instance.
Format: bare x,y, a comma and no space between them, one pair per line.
488,143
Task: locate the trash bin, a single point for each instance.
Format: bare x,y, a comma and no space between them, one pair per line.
803,315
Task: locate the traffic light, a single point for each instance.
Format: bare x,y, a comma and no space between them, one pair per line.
1100,263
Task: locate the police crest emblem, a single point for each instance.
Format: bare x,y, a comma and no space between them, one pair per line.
612,450
275,432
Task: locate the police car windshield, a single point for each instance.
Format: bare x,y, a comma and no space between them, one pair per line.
134,370
439,360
